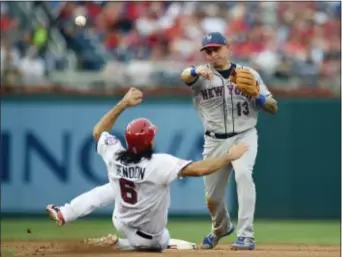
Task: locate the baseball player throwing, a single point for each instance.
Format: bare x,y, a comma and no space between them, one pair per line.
227,97
139,181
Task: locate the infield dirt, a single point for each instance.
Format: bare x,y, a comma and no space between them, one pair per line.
77,249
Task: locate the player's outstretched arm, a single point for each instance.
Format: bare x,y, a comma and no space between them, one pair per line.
208,166
191,74
132,98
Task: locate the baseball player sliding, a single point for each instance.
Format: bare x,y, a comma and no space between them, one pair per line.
139,182
227,97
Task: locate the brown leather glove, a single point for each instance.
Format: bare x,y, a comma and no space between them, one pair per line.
245,81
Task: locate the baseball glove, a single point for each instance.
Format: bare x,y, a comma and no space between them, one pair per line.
245,81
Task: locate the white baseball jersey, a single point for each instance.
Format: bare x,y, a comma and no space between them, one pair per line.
222,107
142,193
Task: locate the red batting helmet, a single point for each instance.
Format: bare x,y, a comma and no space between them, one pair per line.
139,135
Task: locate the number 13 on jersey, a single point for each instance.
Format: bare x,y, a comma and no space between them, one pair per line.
242,108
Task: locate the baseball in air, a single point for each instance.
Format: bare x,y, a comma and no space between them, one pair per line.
80,20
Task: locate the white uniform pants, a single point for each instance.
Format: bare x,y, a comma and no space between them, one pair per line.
216,183
88,202
130,238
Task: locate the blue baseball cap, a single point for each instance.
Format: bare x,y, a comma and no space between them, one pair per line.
213,39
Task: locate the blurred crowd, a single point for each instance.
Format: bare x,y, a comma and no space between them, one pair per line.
23,51
282,40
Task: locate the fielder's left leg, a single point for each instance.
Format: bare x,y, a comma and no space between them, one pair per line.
215,192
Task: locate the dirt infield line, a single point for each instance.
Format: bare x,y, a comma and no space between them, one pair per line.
77,249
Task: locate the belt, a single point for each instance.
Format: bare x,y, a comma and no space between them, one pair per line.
144,235
220,135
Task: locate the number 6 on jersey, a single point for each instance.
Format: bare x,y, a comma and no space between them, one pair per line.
128,192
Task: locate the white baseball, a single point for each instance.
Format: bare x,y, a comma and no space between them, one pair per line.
80,20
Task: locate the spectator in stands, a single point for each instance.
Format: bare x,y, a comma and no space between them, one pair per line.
32,68
24,43
40,39
10,61
6,21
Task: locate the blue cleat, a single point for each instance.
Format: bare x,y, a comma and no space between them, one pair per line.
211,240
244,243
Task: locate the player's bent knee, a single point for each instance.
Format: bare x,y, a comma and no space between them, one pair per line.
215,194
214,199
244,175
212,205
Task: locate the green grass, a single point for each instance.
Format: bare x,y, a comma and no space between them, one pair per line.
7,252
298,232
